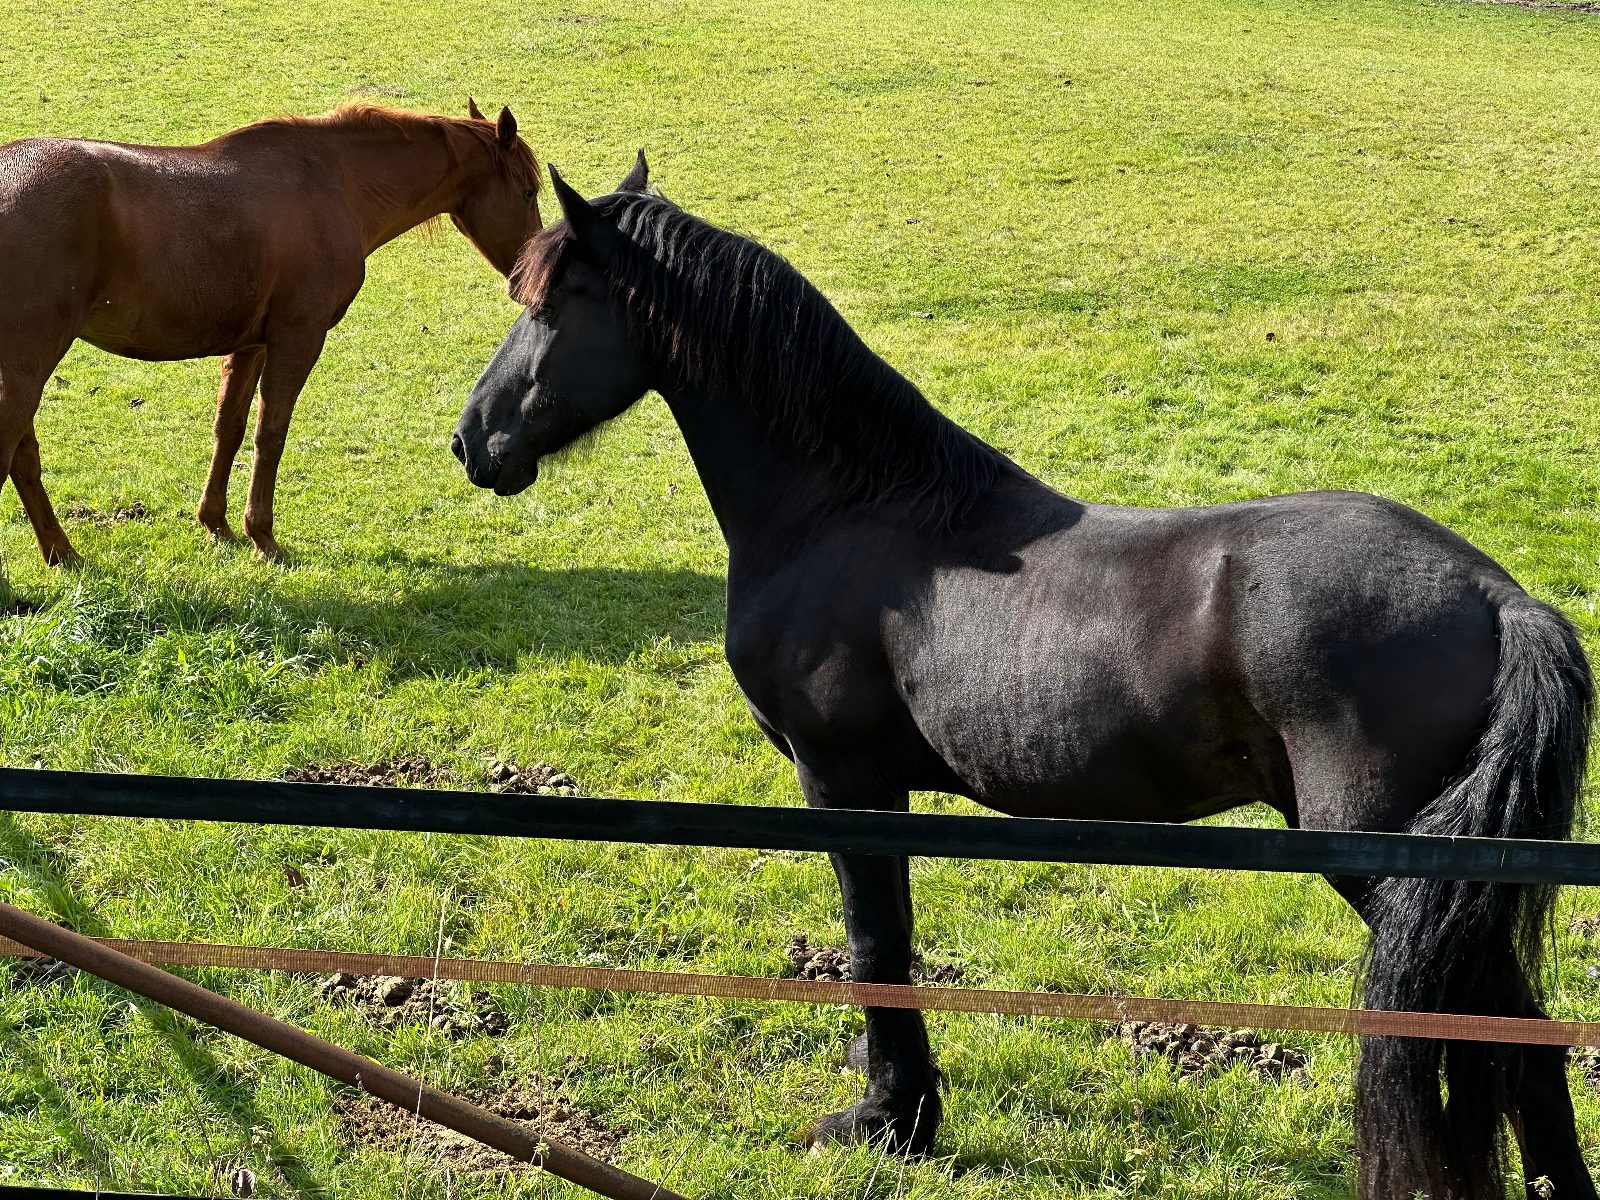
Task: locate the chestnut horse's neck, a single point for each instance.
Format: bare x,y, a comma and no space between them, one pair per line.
399,169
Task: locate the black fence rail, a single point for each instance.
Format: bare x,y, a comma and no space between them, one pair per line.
755,827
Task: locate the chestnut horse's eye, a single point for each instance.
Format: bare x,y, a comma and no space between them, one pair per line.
529,194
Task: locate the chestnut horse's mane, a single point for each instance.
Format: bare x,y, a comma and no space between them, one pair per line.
461,134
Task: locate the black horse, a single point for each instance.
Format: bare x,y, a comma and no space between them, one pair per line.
910,610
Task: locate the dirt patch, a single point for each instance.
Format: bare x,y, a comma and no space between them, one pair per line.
16,606
420,771
541,779
1546,6
832,964
389,772
390,1001
120,515
1198,1050
542,1107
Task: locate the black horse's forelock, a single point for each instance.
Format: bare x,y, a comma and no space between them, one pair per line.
714,310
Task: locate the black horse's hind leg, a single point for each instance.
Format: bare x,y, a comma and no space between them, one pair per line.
1540,1101
901,1107
1546,1133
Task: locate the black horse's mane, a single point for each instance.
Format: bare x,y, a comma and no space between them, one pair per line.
716,310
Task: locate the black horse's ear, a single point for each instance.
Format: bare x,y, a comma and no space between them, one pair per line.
590,229
638,179
473,111
506,128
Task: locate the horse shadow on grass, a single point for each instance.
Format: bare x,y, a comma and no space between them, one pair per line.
448,618
220,1088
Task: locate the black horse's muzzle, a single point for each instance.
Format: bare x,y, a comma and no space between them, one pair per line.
489,469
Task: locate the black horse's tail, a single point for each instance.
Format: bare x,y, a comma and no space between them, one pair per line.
1451,946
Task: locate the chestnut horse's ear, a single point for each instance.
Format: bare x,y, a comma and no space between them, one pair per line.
590,229
638,179
506,127
473,110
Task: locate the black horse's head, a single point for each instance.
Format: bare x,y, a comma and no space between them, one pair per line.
568,364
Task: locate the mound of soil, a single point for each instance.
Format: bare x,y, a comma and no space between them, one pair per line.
120,515
832,964
541,779
389,772
1198,1050
420,771
542,1107
389,1001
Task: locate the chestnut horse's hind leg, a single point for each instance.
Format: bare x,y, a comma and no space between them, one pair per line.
241,372
901,1108
288,364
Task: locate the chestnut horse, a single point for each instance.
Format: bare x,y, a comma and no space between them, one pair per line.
251,246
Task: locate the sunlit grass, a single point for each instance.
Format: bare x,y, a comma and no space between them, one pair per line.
1162,254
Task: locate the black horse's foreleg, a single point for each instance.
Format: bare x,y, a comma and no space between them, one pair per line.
901,1106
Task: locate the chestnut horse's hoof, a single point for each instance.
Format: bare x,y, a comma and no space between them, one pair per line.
220,533
63,556
905,1129
268,551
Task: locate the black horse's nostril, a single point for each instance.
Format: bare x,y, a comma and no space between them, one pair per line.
458,448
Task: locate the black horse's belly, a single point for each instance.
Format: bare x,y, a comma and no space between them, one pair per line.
1073,710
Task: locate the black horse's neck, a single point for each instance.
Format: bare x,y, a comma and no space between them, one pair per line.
766,477
786,410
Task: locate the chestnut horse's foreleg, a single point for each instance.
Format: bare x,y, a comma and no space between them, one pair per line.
26,474
19,458
241,372
901,1108
288,364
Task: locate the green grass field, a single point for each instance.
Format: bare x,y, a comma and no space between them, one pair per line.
1162,254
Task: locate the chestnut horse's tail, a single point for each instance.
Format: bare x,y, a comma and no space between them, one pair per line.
1452,946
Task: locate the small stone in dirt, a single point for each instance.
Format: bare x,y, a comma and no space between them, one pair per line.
1198,1051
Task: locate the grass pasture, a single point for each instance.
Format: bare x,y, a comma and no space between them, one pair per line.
1162,254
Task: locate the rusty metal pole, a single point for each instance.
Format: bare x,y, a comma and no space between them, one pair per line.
402,1091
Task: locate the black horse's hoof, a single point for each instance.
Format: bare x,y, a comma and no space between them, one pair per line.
906,1129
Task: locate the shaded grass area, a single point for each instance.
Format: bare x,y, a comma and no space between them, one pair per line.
1167,255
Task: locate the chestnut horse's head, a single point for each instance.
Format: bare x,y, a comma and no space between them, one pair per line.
499,210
